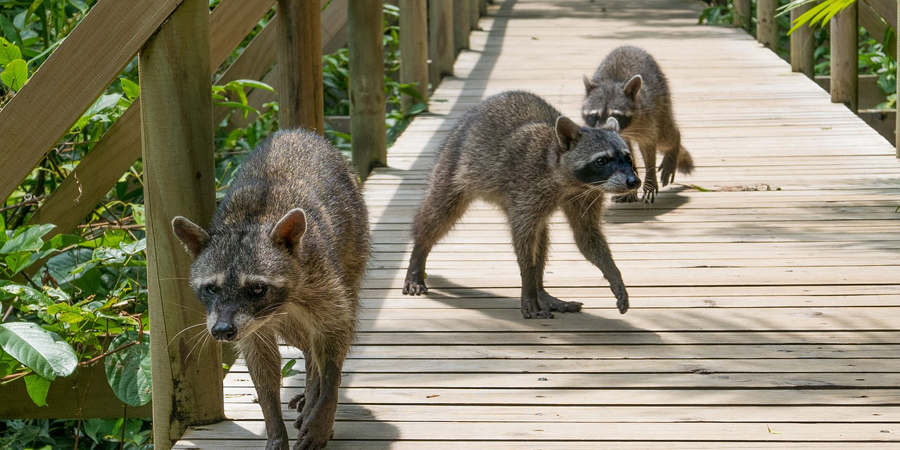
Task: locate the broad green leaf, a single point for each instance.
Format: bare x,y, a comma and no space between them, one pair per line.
18,261
288,369
131,89
42,351
2,228
15,75
9,53
31,296
67,313
236,105
134,247
80,4
37,388
61,241
255,85
128,371
9,30
27,240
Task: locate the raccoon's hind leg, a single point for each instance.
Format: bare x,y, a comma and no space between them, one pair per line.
675,157
439,212
648,152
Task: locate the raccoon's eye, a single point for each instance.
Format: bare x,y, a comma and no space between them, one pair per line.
258,290
211,289
602,161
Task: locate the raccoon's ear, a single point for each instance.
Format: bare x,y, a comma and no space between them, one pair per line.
192,236
588,84
289,230
567,133
633,86
611,124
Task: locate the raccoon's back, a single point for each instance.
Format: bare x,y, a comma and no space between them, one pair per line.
297,169
626,61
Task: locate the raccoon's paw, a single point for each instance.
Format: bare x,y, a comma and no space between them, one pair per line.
667,170
414,288
278,444
532,309
650,190
316,429
297,402
549,302
621,298
630,197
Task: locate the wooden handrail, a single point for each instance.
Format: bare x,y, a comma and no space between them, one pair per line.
120,146
86,62
887,9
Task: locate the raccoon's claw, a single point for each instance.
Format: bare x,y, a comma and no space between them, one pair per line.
667,170
549,302
316,429
414,288
531,309
630,197
650,190
297,402
278,444
621,298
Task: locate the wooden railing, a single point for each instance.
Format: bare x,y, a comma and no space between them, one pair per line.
878,17
179,45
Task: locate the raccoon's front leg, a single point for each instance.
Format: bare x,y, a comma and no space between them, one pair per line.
318,424
303,403
264,364
648,152
529,233
584,218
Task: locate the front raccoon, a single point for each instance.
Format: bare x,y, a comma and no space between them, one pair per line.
284,259
517,151
630,87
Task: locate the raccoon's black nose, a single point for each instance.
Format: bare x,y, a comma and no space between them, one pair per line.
224,331
632,182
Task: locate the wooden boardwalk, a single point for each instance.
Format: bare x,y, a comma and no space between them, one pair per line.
764,289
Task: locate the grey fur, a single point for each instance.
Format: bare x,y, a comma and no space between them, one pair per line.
518,152
630,86
284,258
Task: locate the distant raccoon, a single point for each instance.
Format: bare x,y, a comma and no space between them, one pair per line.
630,87
518,152
284,258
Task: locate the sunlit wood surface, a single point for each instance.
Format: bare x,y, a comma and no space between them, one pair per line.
764,288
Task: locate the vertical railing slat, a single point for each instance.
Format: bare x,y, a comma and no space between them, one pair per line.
742,12
803,45
414,49
844,58
766,25
367,104
300,95
461,27
177,138
440,39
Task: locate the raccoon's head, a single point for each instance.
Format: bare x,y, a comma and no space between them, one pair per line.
597,157
242,274
610,99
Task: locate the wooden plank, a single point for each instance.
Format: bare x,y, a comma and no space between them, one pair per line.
177,138
414,50
369,143
299,49
82,67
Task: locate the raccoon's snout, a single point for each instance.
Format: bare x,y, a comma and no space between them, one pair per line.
224,331
632,181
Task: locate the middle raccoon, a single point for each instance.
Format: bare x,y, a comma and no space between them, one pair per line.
517,151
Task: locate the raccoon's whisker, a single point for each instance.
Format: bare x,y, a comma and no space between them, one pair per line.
590,205
201,339
182,331
184,307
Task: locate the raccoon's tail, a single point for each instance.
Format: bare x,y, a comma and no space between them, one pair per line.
685,161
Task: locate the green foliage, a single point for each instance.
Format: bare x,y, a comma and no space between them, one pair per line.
128,368
819,15
96,434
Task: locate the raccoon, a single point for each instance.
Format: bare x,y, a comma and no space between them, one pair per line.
630,87
284,259
517,151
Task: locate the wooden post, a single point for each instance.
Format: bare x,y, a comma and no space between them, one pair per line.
179,179
474,14
414,49
897,105
482,7
742,12
766,26
803,45
367,129
300,96
844,59
440,40
461,28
